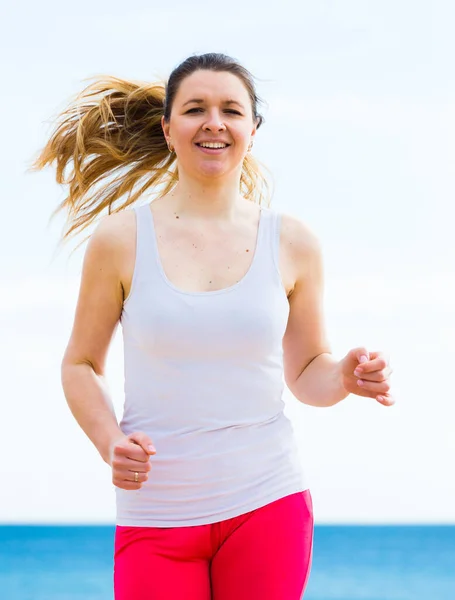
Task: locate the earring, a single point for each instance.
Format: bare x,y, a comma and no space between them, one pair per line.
170,147
250,146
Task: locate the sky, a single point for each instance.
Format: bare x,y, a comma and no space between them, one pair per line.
360,139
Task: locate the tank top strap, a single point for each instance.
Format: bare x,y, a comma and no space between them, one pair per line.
268,248
146,258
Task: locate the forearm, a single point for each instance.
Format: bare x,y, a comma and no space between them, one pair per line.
320,384
90,403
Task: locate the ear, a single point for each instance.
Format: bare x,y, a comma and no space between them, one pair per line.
165,127
253,132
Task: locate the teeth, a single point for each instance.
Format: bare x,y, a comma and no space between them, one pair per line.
212,145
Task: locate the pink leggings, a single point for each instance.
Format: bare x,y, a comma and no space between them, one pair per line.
264,554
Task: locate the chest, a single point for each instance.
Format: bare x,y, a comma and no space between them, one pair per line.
205,260
208,315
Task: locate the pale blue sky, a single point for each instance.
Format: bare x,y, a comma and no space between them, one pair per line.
360,137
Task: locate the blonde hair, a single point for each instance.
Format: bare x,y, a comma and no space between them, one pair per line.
109,146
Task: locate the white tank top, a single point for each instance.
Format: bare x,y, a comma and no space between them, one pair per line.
204,379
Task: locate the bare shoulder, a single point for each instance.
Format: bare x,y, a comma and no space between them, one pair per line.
115,234
300,247
112,247
115,230
298,236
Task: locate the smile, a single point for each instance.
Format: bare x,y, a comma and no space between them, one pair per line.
212,147
212,144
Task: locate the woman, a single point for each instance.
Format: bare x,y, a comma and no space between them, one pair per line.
220,299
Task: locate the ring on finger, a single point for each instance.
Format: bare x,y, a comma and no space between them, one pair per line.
136,477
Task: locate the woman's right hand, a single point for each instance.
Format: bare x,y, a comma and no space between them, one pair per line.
130,454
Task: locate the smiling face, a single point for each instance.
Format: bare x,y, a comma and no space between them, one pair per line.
211,124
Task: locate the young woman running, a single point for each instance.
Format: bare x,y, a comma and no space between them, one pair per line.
220,302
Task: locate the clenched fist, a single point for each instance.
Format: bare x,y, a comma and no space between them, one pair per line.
367,374
130,460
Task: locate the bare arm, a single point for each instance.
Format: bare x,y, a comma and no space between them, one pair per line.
97,314
311,372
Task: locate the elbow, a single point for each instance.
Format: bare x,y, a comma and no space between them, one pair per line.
72,359
310,399
298,393
316,403
72,367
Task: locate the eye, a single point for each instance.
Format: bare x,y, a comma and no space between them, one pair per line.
199,109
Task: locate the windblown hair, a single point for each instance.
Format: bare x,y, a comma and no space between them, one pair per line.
109,146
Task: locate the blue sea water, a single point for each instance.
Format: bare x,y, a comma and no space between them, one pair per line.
349,563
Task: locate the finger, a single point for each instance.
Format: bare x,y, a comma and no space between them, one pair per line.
131,476
386,400
141,459
379,354
121,477
361,355
377,376
132,451
123,464
378,364
137,467
375,388
126,485
142,439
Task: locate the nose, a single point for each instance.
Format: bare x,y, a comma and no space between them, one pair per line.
214,122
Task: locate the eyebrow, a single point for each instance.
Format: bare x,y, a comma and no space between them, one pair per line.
201,101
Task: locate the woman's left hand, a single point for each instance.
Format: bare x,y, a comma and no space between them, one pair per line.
367,374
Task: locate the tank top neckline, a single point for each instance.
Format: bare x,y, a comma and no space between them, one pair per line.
225,290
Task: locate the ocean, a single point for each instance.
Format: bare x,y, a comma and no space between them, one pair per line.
349,563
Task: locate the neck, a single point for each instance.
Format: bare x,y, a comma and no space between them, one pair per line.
217,199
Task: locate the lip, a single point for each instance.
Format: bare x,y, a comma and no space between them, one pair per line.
213,141
212,150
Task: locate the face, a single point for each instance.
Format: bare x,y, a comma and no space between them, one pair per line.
210,108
